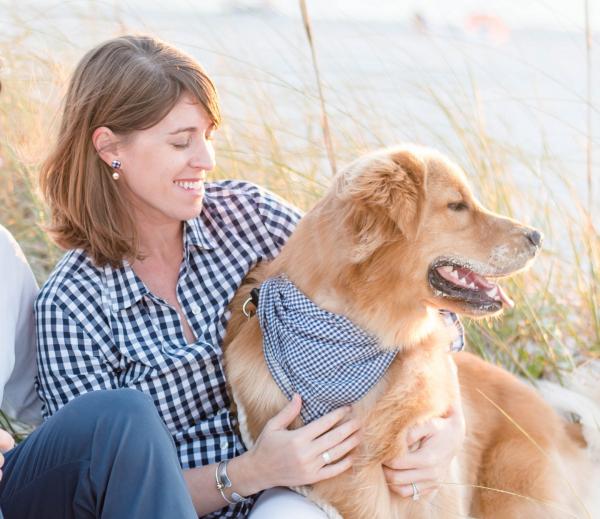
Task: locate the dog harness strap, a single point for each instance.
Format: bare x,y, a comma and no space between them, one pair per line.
323,356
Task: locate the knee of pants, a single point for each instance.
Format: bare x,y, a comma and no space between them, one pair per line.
119,401
123,410
125,424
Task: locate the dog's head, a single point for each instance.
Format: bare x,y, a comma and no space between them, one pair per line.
412,214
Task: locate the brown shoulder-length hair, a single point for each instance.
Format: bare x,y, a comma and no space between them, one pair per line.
127,84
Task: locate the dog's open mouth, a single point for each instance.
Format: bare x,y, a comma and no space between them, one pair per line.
460,283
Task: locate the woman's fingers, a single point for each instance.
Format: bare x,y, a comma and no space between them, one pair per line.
325,423
429,455
287,415
339,450
401,481
419,432
6,441
336,435
399,478
333,469
423,488
436,448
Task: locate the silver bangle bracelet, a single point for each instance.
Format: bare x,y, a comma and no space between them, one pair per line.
224,482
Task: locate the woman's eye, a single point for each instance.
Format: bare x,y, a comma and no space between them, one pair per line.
182,145
458,206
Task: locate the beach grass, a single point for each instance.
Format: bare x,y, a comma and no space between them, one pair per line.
555,324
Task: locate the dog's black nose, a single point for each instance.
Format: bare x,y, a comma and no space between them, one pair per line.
535,238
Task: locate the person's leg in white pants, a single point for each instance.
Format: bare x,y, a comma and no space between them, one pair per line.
282,502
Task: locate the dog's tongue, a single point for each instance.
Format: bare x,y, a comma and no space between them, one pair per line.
471,277
504,296
490,288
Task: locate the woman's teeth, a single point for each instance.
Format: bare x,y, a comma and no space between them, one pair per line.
189,185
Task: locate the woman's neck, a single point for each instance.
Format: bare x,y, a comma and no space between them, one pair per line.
160,240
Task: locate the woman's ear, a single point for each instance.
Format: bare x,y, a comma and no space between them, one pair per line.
105,142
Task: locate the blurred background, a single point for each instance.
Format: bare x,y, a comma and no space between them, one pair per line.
508,89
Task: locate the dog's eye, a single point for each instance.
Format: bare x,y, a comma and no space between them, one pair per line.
458,206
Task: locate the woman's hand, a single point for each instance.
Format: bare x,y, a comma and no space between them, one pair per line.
432,446
6,443
283,457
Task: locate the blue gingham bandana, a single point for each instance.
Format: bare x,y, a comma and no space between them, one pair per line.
323,356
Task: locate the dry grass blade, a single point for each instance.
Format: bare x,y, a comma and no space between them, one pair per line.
589,162
588,72
324,118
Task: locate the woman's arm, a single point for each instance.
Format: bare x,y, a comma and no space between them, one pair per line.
281,457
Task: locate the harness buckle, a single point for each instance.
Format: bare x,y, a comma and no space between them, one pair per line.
253,299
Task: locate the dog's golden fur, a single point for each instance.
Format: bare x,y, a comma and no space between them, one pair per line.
364,251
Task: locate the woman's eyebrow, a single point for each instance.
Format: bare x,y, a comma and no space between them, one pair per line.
180,130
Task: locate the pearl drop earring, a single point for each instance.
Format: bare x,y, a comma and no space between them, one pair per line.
116,164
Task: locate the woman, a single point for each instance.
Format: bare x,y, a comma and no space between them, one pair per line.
155,256
86,461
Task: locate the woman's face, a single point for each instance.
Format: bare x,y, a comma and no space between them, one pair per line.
164,167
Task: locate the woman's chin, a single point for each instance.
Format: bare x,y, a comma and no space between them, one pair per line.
183,213
190,214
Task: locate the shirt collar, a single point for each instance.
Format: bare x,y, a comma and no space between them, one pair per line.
197,234
126,289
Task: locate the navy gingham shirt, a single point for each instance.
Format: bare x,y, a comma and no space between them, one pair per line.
101,328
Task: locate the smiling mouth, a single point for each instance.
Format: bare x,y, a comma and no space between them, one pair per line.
189,185
460,283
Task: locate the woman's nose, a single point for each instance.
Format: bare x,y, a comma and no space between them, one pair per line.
204,156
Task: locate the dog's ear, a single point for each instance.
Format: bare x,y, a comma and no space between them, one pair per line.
388,194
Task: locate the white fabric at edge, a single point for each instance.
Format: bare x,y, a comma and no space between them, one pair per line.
18,367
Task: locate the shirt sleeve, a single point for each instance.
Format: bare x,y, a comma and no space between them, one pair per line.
69,362
279,216
17,333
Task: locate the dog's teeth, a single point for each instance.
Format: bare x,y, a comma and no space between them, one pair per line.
454,274
472,286
493,293
446,269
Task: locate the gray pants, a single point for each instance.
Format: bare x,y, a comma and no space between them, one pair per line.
106,454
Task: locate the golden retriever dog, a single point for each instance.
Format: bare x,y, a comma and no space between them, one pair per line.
398,237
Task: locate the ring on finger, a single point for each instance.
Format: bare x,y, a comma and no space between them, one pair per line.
326,457
416,494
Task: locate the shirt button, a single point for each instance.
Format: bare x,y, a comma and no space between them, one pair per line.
210,368
224,444
195,309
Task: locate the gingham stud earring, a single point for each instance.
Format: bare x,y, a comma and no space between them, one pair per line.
116,164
